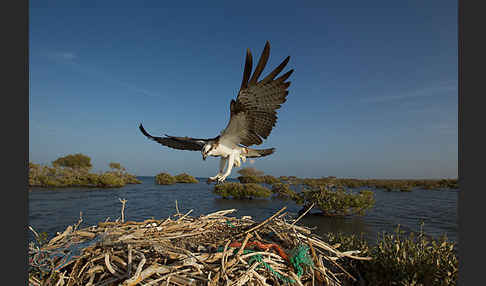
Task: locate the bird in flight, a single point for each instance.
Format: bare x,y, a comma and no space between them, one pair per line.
252,117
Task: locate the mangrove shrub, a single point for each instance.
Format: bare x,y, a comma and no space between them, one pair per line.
250,179
283,191
73,161
241,191
412,261
250,171
116,166
402,260
389,184
186,178
165,179
267,179
109,179
336,202
58,176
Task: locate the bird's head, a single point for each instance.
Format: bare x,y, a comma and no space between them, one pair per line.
207,150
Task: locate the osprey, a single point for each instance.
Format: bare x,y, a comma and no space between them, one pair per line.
252,116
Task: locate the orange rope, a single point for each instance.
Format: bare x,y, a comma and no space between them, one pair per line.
264,247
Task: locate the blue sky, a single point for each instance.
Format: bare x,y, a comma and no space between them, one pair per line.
373,94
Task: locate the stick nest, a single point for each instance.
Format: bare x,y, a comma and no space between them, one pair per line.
213,249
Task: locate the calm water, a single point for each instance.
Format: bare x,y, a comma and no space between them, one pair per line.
52,210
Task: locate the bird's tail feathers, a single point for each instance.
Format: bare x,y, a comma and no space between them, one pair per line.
254,153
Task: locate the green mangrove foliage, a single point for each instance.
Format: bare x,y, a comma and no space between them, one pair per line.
252,175
330,201
74,161
250,179
74,171
389,185
168,179
250,171
293,180
268,179
283,178
401,185
401,260
241,191
121,172
116,166
426,184
336,202
186,178
110,179
165,179
283,191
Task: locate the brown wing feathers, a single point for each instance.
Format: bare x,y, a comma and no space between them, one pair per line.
181,143
253,113
247,71
259,100
261,64
276,71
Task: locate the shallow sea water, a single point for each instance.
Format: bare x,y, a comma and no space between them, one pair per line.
52,210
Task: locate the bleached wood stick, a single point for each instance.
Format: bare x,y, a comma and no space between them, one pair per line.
123,209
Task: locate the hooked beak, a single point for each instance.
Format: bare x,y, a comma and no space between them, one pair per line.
204,157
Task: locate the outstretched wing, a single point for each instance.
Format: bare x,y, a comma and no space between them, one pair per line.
254,112
181,143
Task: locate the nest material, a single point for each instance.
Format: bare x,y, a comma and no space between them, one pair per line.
213,249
